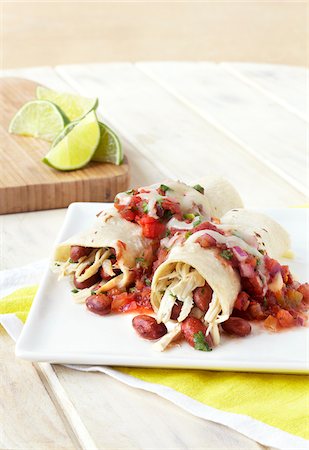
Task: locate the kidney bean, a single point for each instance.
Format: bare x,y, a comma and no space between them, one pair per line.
77,252
190,326
99,304
237,326
176,310
87,283
148,328
202,297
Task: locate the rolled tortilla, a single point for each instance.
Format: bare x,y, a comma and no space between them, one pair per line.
270,235
188,266
221,194
109,230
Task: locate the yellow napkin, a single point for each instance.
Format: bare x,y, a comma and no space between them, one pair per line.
281,401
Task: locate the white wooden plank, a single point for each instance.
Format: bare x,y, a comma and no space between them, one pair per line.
28,417
287,85
118,416
261,126
175,138
141,169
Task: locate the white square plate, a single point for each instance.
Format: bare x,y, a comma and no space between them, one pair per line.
61,331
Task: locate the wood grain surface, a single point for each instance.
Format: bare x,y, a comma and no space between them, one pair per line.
26,184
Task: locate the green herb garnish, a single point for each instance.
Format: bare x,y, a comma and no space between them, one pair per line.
200,342
74,291
265,303
168,232
199,188
147,282
71,261
142,262
145,207
93,293
165,188
57,264
188,234
132,289
227,254
129,192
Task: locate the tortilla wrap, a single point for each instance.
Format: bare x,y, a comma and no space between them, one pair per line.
221,195
109,230
223,280
270,235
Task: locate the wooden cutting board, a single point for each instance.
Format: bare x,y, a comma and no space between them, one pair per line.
26,184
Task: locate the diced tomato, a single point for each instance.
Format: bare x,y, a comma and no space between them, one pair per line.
271,323
286,275
285,319
253,286
206,241
151,227
206,226
162,255
128,214
304,289
272,266
242,302
120,301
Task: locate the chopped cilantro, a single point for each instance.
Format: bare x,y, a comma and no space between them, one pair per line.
141,261
159,201
189,216
265,303
164,188
147,282
145,207
168,232
93,293
71,261
129,192
57,264
197,221
227,254
188,234
132,289
200,342
258,261
74,291
199,188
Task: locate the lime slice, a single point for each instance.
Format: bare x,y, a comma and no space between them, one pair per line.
76,149
109,148
38,118
74,106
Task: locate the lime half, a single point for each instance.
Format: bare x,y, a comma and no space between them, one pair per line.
76,149
74,106
38,118
109,148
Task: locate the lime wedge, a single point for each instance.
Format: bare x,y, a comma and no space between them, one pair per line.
38,118
74,106
109,148
76,149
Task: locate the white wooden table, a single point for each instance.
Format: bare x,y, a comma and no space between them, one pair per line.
183,120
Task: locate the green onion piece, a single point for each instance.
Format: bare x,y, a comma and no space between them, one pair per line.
189,216
147,282
74,291
188,234
197,221
145,207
